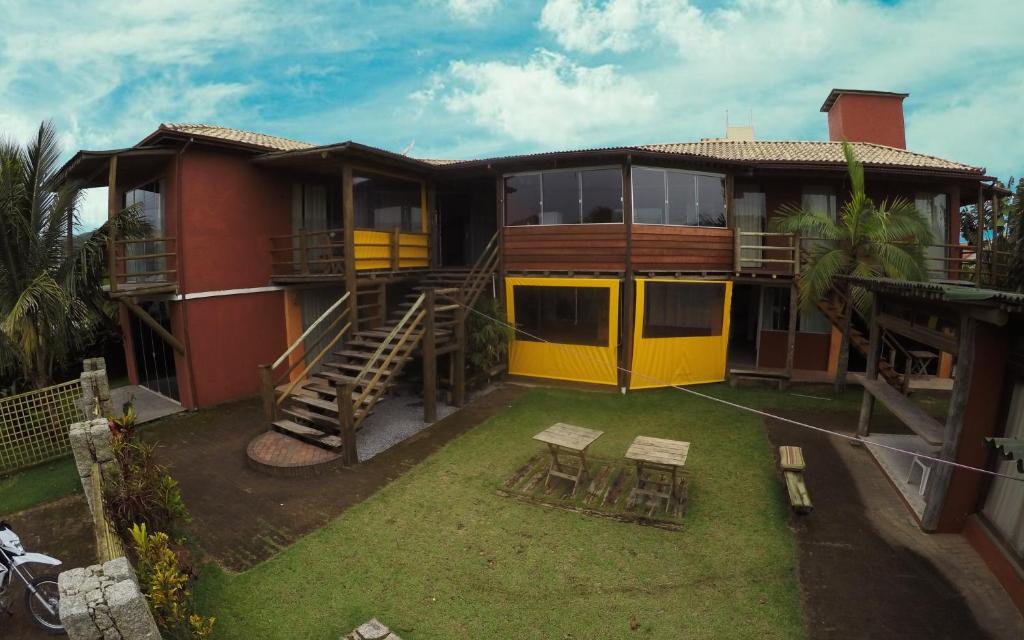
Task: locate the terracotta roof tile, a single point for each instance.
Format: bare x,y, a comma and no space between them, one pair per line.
275,143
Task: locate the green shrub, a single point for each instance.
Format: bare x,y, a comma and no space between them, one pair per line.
486,339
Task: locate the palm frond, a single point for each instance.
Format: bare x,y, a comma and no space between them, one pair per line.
811,224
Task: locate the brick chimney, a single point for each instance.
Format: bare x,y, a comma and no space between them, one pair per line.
866,116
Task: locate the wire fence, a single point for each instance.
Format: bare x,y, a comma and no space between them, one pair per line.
34,425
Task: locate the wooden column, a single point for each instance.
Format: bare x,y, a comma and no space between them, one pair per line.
867,403
794,304
396,249
113,207
955,270
348,223
157,328
433,225
499,207
628,298
346,421
267,393
938,483
429,349
994,282
980,240
459,356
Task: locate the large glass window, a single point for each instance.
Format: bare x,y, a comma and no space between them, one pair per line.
564,315
683,198
383,202
587,196
683,309
147,199
819,199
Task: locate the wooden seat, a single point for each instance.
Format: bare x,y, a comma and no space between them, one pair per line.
791,460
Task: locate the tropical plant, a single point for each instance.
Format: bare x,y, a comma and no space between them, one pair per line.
165,578
1015,237
868,239
486,338
141,491
50,281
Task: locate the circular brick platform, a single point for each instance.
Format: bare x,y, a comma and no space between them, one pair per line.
280,455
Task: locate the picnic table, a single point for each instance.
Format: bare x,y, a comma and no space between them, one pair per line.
920,360
654,456
570,441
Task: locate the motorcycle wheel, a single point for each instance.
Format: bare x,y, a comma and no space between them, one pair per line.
46,588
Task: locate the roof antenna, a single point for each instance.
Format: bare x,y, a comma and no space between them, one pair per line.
726,119
408,148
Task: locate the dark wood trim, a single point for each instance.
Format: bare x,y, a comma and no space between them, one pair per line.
348,216
429,352
867,403
112,209
627,296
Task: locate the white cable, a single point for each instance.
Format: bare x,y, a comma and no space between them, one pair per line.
855,438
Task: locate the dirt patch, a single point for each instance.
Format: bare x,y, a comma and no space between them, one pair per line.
241,516
62,529
866,571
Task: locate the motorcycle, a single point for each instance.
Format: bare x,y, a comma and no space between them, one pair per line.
42,598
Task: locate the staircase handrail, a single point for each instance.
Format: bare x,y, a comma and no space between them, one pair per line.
483,266
369,386
390,337
305,334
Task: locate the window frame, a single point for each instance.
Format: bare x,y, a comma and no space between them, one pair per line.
579,192
722,321
421,185
696,195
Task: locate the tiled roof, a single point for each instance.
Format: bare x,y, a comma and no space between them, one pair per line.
961,293
756,152
768,151
275,143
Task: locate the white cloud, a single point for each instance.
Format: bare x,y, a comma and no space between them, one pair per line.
547,100
471,10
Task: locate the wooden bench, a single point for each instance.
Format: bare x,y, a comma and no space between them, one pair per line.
791,459
778,378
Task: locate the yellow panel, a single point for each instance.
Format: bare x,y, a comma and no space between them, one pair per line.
575,362
661,362
413,251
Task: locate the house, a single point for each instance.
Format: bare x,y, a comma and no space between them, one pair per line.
984,328
638,266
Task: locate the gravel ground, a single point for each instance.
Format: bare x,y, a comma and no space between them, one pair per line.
397,417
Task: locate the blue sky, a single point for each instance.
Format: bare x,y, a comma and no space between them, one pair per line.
465,78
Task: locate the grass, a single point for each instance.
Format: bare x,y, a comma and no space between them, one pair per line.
37,485
438,554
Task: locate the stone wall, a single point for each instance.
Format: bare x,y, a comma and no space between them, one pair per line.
372,630
103,602
91,443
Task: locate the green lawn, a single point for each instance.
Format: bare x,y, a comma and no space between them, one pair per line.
39,484
438,554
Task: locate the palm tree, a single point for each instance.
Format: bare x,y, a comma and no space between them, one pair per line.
51,299
867,240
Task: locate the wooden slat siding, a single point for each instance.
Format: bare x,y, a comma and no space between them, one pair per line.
667,248
582,247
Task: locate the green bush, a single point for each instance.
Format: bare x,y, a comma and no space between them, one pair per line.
486,339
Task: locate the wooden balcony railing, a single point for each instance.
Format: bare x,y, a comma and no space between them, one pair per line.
308,253
322,252
144,263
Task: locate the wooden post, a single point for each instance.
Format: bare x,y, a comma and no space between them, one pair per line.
938,483
954,267
628,300
737,242
980,241
347,424
794,302
499,207
844,343
348,222
382,303
112,209
396,247
157,328
459,356
429,350
993,274
867,403
303,253
433,223
267,392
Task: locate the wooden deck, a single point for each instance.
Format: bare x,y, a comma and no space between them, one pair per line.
608,492
913,416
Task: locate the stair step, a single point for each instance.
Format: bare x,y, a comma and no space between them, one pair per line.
306,434
324,405
348,366
330,390
330,423
337,377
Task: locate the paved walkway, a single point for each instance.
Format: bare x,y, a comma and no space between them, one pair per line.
148,405
867,570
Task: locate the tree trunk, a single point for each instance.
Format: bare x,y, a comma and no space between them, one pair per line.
844,345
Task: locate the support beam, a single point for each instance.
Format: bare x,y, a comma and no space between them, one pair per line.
267,394
994,275
794,303
429,349
459,357
346,420
938,483
628,299
980,240
157,328
867,403
348,223
112,209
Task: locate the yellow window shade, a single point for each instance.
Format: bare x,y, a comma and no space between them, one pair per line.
668,347
548,358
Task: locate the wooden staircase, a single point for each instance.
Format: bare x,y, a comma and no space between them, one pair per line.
833,309
366,366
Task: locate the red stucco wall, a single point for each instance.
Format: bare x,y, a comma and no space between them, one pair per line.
229,337
865,118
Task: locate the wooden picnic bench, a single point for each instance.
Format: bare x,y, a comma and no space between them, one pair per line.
570,441
791,459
